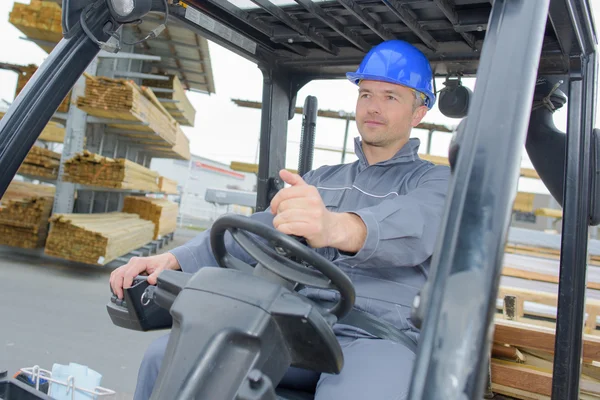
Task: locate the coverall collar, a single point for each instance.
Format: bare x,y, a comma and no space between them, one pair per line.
408,152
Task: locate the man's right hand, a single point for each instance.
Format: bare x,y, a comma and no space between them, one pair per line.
122,277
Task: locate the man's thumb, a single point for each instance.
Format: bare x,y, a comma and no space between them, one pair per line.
291,178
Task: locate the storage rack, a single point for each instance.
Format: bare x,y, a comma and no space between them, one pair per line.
177,51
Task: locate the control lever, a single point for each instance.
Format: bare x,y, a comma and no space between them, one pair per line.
138,310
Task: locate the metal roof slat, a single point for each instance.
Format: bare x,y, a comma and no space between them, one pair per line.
327,19
366,19
177,62
411,22
296,25
167,56
449,11
255,23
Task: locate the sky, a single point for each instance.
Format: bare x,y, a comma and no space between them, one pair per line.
225,132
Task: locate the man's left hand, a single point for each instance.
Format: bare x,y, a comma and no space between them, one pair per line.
299,210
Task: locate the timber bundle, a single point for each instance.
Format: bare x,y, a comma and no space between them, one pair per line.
120,99
26,72
38,20
92,169
525,321
41,162
24,212
166,185
53,132
96,238
162,212
180,107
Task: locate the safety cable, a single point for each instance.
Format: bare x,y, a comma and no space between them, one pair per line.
114,48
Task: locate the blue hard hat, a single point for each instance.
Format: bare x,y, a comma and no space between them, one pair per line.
399,62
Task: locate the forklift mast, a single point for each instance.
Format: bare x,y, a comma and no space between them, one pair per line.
308,40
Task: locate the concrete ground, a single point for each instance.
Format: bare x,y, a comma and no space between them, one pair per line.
54,311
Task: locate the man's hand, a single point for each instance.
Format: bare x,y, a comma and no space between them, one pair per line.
122,277
299,210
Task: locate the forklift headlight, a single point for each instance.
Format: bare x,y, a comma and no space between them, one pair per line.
129,10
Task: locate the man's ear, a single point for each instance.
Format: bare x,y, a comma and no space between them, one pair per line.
418,115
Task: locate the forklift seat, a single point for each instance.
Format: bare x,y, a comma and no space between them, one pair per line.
286,394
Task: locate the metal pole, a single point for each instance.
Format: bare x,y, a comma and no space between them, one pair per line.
183,192
101,147
345,140
429,137
273,135
92,200
574,238
459,301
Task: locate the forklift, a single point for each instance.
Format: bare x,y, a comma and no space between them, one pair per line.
514,48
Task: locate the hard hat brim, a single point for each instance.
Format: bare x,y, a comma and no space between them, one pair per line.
357,77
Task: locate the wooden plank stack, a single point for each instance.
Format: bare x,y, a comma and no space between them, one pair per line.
180,151
120,99
166,185
53,132
24,212
91,169
522,360
180,106
41,163
26,74
162,212
96,238
38,20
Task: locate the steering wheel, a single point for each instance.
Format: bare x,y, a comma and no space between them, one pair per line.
325,275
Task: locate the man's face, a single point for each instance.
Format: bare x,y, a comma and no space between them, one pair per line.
385,112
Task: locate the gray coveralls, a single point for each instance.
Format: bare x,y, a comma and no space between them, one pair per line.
401,202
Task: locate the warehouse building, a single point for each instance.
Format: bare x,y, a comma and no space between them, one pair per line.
193,177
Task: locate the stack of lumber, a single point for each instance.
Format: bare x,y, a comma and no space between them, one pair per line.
40,163
53,132
524,202
38,20
26,74
179,106
120,99
522,358
180,151
24,212
162,212
523,341
544,245
91,169
96,238
166,185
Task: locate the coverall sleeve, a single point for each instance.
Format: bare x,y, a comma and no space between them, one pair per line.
197,252
402,231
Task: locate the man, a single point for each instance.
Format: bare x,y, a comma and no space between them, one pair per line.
377,219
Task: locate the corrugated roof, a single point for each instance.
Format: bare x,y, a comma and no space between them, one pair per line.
183,52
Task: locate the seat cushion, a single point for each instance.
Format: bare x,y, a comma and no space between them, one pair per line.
286,394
